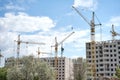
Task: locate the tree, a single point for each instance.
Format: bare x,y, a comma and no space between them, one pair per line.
14,73
80,69
117,74
3,73
31,69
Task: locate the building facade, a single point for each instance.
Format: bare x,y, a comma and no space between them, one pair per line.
107,58
10,62
64,69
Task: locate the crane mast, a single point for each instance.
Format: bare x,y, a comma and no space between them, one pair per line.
60,43
93,54
62,49
56,48
114,33
26,42
18,46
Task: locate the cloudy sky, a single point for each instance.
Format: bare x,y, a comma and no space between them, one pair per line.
43,20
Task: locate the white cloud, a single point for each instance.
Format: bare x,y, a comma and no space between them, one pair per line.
6,40
75,57
113,20
13,7
89,4
108,26
16,5
25,23
9,37
22,22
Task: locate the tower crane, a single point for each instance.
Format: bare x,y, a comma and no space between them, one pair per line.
92,30
26,42
39,52
114,33
56,47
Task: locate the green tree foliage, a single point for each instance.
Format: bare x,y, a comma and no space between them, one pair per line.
14,73
117,72
31,69
3,73
80,70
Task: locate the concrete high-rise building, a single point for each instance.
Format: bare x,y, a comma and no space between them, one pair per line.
64,67
107,58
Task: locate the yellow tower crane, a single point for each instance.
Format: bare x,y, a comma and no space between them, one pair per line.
26,42
56,48
39,52
92,30
114,33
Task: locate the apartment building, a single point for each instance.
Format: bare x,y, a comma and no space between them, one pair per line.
10,62
107,58
64,67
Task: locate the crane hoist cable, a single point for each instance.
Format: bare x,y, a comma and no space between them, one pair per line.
100,27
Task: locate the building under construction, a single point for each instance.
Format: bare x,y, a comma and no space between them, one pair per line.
107,59
64,69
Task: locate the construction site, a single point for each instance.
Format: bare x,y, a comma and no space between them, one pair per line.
101,62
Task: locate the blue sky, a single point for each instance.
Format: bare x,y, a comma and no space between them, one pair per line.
43,20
